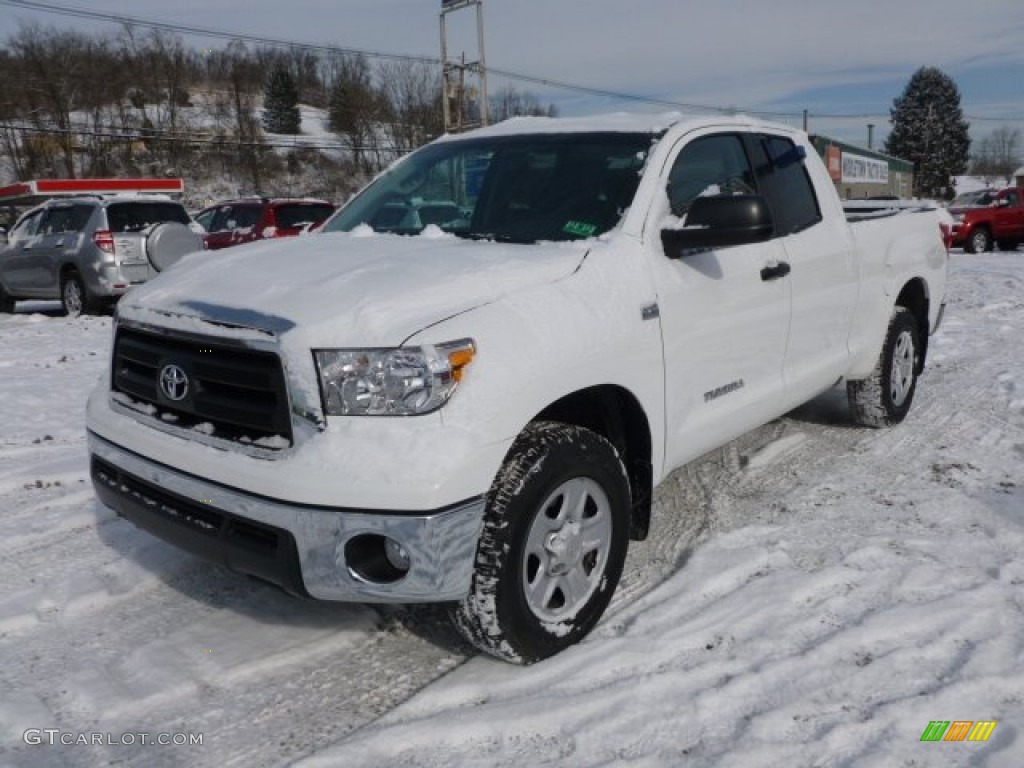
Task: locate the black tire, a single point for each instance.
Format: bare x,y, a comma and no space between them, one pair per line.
6,302
1007,245
884,397
529,538
73,296
980,241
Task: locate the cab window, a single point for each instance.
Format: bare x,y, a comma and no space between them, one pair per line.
709,167
70,218
783,176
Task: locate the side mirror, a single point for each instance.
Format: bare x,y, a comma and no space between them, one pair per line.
1002,202
720,222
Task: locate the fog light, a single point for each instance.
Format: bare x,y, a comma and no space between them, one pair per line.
396,555
376,559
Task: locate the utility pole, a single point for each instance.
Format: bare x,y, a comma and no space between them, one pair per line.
456,95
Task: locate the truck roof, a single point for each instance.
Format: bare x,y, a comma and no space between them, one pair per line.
618,122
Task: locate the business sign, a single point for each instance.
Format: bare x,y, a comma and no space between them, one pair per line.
834,162
858,169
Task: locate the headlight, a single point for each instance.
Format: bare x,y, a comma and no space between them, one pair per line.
391,382
958,218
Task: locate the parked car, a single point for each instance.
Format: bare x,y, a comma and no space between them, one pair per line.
990,218
88,251
480,414
233,222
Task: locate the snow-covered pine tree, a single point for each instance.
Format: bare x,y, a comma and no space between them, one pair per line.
928,129
281,103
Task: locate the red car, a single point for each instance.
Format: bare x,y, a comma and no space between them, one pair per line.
233,222
991,217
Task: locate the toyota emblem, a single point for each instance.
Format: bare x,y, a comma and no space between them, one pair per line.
173,382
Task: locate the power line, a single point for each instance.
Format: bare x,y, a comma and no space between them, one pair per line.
224,143
46,7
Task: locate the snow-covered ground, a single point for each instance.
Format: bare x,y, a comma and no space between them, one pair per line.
811,595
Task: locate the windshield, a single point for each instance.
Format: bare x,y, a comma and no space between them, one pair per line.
978,197
517,189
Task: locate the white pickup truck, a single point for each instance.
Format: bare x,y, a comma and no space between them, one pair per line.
467,387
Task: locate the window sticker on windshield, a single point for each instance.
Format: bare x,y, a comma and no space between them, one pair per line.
580,228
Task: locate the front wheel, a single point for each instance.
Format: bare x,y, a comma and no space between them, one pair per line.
980,241
884,397
6,302
553,544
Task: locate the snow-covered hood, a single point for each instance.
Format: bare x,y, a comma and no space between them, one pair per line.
343,289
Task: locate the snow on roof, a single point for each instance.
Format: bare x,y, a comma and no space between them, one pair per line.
618,122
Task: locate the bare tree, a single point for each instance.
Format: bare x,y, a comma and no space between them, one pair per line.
355,109
411,95
998,155
52,63
511,102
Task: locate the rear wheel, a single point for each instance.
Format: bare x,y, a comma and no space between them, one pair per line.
553,544
884,397
74,297
979,241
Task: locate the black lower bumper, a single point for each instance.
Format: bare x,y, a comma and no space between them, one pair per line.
245,546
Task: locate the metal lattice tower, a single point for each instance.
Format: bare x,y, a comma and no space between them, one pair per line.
463,83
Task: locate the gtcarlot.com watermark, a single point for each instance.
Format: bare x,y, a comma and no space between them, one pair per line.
55,736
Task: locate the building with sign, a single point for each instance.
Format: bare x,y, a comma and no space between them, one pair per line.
858,172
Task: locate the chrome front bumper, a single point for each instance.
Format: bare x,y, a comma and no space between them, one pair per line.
305,549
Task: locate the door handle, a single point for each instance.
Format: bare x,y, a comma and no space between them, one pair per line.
776,271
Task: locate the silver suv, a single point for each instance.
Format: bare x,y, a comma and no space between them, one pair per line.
88,251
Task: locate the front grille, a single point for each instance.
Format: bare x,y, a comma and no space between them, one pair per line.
228,392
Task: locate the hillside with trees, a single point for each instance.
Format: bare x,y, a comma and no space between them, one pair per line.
240,119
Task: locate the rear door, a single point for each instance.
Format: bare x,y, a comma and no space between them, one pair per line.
821,255
62,234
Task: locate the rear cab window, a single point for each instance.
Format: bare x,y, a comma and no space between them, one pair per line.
779,164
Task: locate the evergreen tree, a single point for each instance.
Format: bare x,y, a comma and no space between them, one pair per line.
928,129
281,103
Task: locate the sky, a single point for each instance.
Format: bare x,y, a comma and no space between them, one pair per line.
830,57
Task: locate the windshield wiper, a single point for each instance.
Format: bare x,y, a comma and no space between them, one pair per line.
498,238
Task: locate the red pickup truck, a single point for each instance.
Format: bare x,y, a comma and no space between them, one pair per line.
995,217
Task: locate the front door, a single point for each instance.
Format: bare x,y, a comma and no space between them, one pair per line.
724,312
16,258
1009,217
